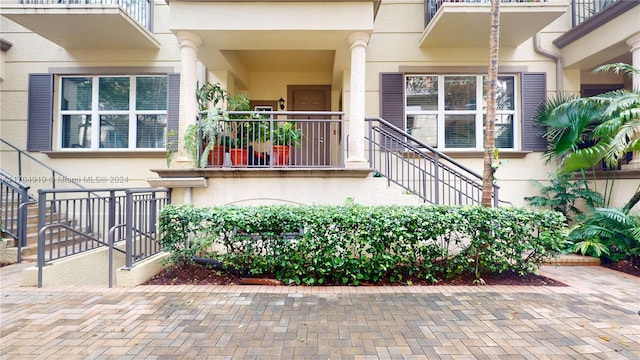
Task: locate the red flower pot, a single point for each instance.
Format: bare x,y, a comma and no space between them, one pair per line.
238,157
280,155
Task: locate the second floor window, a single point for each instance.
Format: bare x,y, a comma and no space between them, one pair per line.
113,112
448,111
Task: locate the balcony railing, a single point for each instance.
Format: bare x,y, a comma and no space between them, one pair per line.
266,139
584,9
431,7
139,10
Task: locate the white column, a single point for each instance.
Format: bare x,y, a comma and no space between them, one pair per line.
634,43
189,44
358,42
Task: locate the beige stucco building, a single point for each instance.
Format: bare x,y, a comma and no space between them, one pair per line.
73,71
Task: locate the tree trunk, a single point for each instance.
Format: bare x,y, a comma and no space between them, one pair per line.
489,121
632,202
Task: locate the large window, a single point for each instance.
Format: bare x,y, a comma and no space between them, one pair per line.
113,112
447,111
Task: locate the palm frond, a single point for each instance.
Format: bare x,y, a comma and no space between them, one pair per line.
585,158
618,68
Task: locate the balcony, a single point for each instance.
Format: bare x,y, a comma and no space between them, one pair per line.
269,140
87,24
465,23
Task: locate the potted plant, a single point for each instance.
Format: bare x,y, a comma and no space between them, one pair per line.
208,137
248,128
283,136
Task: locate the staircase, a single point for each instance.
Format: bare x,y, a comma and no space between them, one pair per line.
28,252
421,169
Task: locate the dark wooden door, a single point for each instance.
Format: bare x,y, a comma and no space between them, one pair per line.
314,149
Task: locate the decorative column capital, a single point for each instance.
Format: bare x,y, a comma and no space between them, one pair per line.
188,39
634,42
359,39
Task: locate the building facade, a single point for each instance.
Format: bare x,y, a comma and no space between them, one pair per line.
99,90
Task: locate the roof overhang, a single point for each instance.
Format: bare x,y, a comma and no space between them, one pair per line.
91,26
303,36
467,24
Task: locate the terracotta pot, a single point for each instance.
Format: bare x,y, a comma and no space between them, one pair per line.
238,157
280,155
216,156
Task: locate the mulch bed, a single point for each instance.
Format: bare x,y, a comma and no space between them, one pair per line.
196,274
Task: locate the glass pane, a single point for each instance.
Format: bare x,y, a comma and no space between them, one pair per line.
114,131
505,98
151,131
422,93
76,131
76,94
460,131
424,127
460,92
504,131
114,93
151,93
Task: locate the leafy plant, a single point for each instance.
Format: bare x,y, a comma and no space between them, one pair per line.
286,133
210,127
353,244
613,234
563,193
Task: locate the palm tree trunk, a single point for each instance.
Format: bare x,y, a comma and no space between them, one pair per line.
631,203
489,121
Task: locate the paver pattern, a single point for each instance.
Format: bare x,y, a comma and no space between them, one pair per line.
596,317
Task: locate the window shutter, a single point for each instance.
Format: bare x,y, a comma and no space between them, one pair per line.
534,92
392,98
392,107
173,110
40,112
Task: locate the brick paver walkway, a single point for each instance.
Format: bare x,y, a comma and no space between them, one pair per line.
596,317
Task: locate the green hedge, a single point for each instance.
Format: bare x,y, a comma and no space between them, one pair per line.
353,243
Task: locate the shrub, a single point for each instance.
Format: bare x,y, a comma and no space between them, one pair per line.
351,244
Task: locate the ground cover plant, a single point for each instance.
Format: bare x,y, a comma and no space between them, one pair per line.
353,244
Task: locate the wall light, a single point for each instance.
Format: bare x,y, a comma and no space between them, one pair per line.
281,103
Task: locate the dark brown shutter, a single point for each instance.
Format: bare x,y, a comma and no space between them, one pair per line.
534,92
392,108
173,110
40,112
392,98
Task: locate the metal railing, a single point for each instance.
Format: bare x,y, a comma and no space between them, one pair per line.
269,139
73,221
14,190
584,9
14,198
139,10
42,174
431,7
421,169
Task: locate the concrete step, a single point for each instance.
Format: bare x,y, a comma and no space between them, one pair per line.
574,260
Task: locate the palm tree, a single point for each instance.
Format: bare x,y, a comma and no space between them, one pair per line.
489,121
585,131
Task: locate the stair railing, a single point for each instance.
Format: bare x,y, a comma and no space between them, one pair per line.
14,198
124,220
420,169
53,178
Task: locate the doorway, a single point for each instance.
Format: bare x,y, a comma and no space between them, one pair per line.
315,146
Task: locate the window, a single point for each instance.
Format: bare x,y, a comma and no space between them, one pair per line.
447,111
113,112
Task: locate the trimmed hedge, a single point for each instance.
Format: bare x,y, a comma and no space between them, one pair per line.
353,243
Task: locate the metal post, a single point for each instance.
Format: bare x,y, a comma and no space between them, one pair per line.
436,178
128,229
42,199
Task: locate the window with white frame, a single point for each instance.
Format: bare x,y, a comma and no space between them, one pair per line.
119,112
447,111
